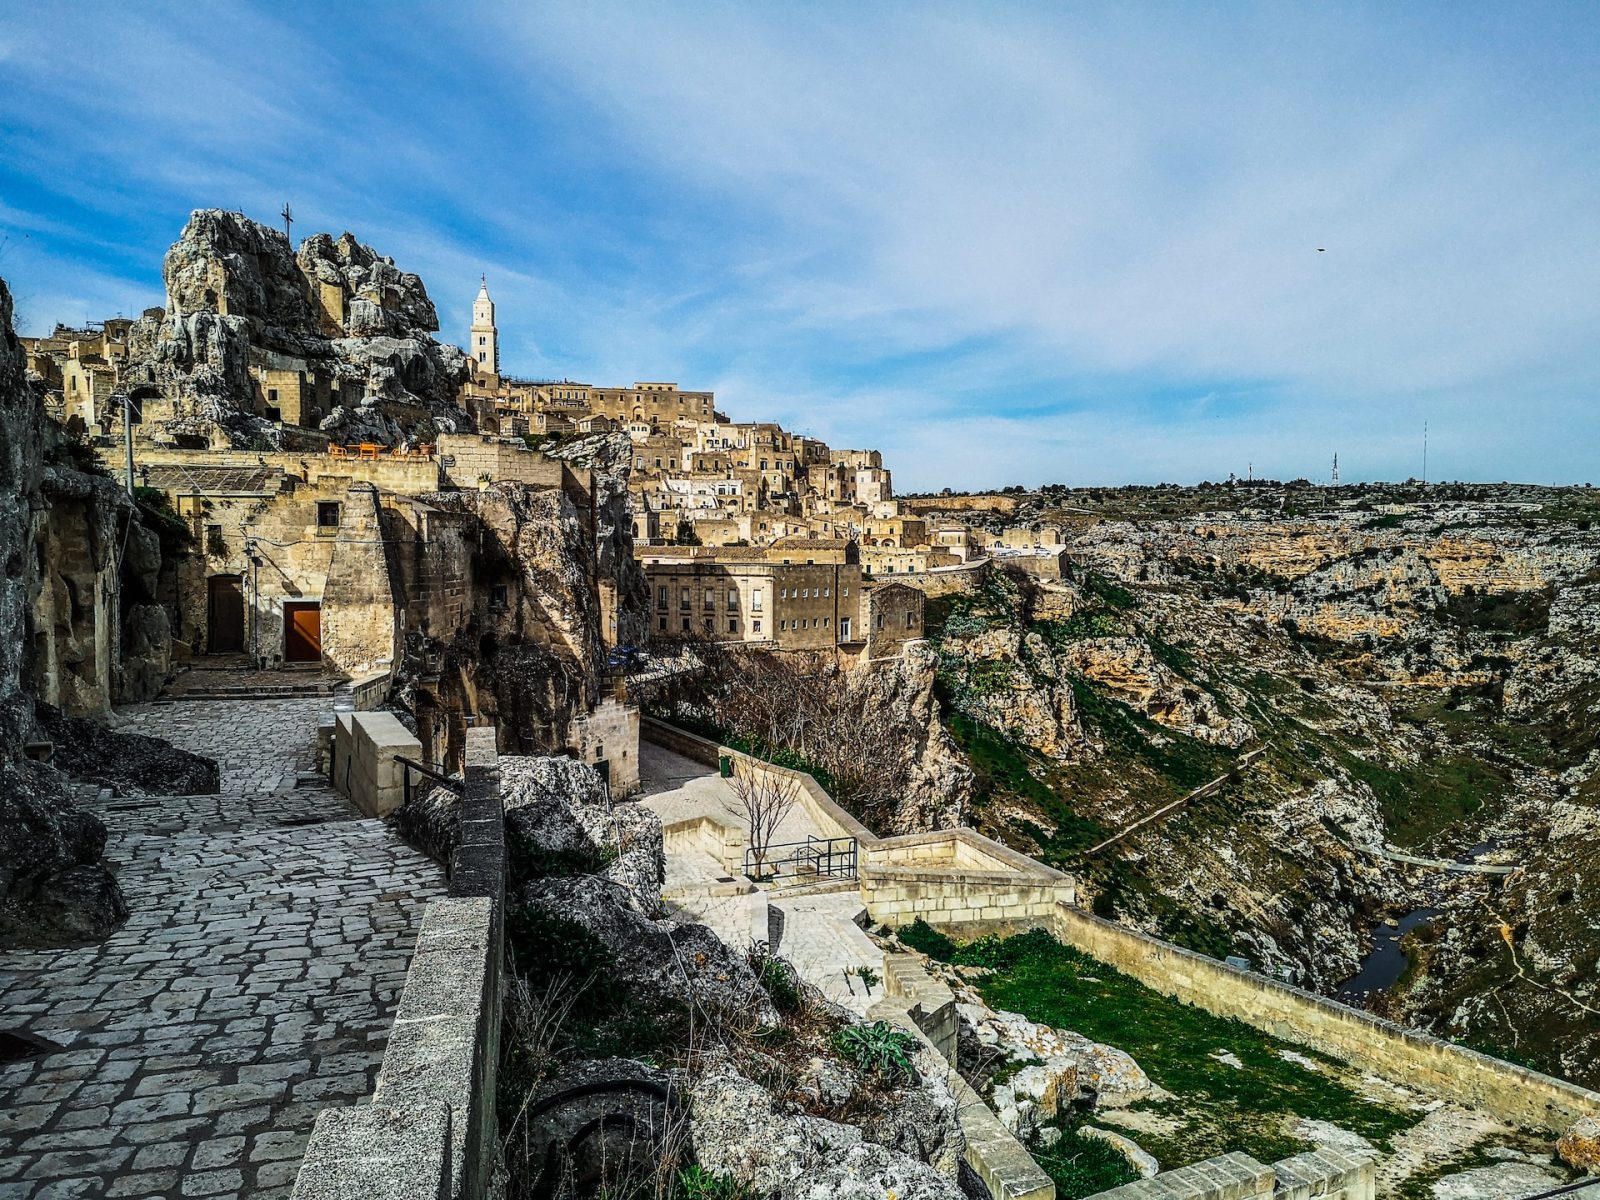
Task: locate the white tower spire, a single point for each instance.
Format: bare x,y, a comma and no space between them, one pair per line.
483,341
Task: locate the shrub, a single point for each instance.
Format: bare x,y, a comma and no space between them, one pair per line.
878,1051
919,935
547,945
778,978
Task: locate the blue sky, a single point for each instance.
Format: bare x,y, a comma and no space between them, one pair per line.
1004,243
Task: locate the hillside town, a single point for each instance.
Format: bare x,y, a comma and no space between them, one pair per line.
407,762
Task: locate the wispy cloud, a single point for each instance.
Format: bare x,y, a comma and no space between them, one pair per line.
1007,244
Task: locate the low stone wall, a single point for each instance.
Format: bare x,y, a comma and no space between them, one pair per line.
1441,1068
430,1130
364,693
926,1008
958,877
1323,1174
706,835
365,770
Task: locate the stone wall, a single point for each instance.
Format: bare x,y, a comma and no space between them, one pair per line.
1323,1174
430,1129
950,581
1441,1068
470,458
958,877
364,768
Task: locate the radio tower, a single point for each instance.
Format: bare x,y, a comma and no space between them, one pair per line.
1334,479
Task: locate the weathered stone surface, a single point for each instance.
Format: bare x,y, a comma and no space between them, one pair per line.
236,289
656,958
125,762
736,1129
1579,1146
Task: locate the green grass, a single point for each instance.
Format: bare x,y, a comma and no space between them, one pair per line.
1226,1108
1423,800
1082,1166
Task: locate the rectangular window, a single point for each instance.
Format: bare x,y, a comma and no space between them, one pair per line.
327,514
711,599
686,624
661,596
911,620
826,592
755,626
733,598
733,624
663,624
498,595
755,600
683,600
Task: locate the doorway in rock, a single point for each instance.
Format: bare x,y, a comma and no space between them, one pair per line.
224,614
302,631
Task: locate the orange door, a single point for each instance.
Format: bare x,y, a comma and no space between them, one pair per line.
302,631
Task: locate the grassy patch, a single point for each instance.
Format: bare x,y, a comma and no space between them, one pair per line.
1421,801
1225,1107
1082,1166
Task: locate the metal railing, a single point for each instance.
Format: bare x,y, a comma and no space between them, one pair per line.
814,858
411,770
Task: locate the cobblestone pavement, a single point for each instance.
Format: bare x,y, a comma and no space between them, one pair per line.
253,984
260,745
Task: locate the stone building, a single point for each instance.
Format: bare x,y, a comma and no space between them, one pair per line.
797,594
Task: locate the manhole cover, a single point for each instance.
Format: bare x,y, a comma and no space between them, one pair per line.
16,1046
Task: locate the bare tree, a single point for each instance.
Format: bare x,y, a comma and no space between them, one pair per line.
767,798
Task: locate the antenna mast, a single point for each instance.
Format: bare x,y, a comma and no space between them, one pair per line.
1424,454
1334,482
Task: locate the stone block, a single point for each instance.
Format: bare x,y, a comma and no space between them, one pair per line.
377,1153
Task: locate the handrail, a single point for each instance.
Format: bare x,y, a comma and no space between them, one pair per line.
817,853
433,771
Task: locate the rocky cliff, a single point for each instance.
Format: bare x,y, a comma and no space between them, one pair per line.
338,313
1417,669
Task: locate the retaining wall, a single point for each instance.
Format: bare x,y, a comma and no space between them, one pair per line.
926,1008
1441,1068
1324,1174
430,1129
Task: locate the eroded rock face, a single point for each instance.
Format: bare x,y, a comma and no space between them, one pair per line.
938,782
128,763
737,1130
651,958
54,884
239,296
55,887
1130,671
559,806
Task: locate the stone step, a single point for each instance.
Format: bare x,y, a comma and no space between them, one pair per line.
813,887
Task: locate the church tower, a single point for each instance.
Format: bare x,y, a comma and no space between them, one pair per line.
484,341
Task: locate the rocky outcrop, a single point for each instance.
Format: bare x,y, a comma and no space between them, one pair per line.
935,781
652,959
1579,1146
738,1130
127,763
608,458
535,662
1129,670
238,296
54,885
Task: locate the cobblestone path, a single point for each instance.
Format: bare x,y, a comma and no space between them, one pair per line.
252,986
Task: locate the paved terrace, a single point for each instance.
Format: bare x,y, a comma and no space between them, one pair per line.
819,933
253,984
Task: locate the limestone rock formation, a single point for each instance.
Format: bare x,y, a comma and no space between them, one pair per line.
336,313
127,763
608,457
738,1130
653,959
54,885
936,781
1579,1146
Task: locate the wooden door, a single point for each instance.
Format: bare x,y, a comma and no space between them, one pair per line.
224,615
302,631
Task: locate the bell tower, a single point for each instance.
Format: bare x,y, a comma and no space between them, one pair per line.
484,339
